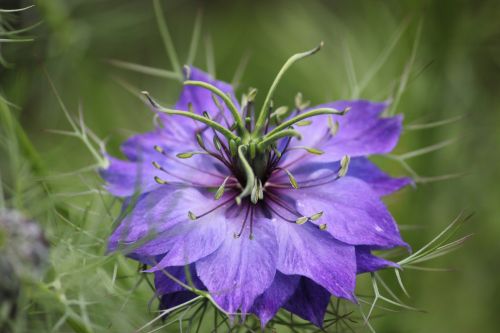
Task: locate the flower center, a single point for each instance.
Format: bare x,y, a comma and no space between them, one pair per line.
249,147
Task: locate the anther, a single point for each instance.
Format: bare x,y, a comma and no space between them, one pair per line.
188,154
217,102
221,189
333,125
217,143
292,179
193,216
302,220
252,92
160,181
280,113
277,152
199,139
254,196
323,226
159,149
157,165
344,166
300,104
261,190
316,216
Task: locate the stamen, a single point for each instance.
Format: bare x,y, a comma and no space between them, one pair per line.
217,143
199,139
302,220
190,154
293,59
252,92
323,226
316,216
221,189
254,197
261,190
161,151
333,125
277,213
300,104
311,150
189,181
193,216
277,152
217,102
160,181
344,166
280,113
292,179
277,200
157,165
341,172
278,157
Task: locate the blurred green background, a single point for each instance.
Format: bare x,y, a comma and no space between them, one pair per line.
437,60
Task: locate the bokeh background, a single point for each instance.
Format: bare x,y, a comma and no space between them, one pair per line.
437,60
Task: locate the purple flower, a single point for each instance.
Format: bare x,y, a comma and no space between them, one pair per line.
265,210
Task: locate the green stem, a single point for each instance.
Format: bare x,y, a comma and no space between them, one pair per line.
276,136
265,107
167,39
227,100
73,320
309,114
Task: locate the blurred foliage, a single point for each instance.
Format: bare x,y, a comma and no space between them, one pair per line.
437,60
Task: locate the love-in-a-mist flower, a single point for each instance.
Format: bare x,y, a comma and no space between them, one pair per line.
266,209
